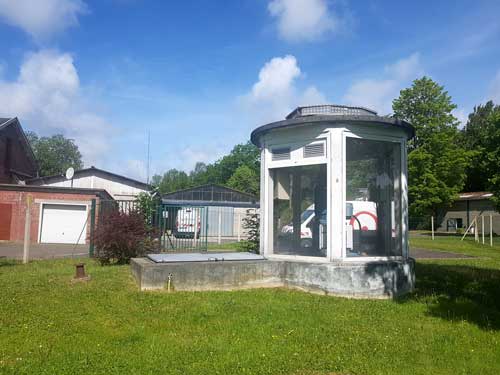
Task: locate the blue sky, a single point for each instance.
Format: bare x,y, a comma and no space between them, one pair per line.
200,75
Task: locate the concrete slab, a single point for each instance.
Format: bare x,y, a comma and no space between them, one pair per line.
197,276
349,279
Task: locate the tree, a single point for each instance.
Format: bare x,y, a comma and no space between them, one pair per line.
436,159
198,175
54,154
479,137
242,154
244,179
146,205
492,156
172,180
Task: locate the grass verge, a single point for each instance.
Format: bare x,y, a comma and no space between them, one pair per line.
450,325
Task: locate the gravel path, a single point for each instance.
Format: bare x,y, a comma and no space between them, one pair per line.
432,254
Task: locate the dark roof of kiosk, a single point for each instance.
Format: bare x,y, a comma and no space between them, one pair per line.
311,115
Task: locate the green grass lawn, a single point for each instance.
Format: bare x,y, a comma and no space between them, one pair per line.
450,325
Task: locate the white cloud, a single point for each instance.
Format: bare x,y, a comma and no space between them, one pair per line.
47,97
42,18
406,68
184,157
276,78
312,96
276,92
462,116
303,20
378,93
494,93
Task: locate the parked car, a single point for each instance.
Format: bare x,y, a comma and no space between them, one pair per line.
188,222
361,216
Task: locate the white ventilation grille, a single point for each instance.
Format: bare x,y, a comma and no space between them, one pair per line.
314,150
281,153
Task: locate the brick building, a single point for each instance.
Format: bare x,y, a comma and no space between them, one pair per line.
58,214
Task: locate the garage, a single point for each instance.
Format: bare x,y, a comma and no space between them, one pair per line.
5,218
63,223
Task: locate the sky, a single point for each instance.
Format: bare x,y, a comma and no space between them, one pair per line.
199,76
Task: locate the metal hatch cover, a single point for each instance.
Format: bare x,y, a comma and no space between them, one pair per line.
203,257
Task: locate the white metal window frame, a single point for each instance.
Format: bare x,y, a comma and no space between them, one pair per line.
59,202
296,154
267,198
347,133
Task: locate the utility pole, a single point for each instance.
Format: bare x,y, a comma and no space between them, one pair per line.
27,229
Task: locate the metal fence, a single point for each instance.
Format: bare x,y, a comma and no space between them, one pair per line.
182,228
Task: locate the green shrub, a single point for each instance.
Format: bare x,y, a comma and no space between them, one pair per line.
251,223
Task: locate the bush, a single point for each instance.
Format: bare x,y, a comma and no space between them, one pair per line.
120,236
251,223
147,205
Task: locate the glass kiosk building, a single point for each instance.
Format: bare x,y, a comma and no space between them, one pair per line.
334,190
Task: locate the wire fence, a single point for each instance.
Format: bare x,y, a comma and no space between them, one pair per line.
184,228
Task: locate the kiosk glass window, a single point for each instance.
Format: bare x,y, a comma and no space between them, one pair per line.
373,198
300,210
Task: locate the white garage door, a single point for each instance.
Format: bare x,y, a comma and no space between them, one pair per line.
63,223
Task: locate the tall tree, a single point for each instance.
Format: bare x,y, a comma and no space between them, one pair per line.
171,180
493,156
479,137
55,154
436,159
242,154
244,179
198,175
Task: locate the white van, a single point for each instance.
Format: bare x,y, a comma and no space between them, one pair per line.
188,222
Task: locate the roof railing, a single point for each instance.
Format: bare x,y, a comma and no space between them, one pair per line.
330,110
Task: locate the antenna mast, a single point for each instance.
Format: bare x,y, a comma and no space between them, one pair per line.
149,142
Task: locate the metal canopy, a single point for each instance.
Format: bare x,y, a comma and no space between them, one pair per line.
203,257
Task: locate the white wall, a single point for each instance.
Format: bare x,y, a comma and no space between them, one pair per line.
119,190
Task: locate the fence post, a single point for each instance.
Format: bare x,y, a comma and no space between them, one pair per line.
476,232
482,227
206,227
432,227
219,230
238,220
491,230
197,215
27,229
92,225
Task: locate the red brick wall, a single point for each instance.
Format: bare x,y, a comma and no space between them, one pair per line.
18,201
